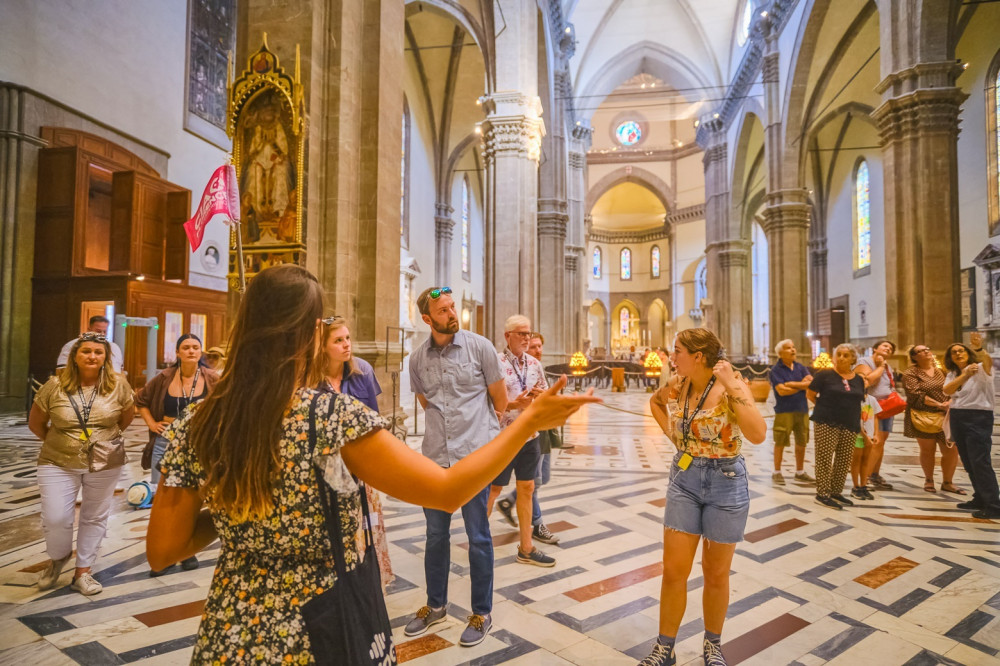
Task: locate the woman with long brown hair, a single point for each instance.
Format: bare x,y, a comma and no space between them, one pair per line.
337,370
707,410
242,469
85,405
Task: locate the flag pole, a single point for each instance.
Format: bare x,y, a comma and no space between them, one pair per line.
239,258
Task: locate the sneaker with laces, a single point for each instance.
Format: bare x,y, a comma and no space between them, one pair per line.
868,493
424,620
712,652
858,493
777,479
536,557
826,501
803,477
542,533
843,500
506,508
879,483
52,572
660,656
479,626
86,585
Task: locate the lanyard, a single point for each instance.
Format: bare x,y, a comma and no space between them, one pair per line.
85,406
522,377
189,398
687,421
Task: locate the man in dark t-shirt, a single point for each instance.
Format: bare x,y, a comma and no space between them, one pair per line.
789,378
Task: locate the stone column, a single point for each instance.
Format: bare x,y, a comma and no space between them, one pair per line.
352,53
443,226
818,296
576,241
512,132
786,225
551,322
918,123
727,253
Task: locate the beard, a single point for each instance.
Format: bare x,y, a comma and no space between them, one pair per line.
448,328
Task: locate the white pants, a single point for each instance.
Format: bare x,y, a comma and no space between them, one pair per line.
59,487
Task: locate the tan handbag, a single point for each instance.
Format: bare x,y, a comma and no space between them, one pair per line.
929,422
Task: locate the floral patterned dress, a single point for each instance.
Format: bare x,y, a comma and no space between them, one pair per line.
268,568
714,430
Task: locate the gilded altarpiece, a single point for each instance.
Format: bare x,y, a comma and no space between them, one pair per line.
266,124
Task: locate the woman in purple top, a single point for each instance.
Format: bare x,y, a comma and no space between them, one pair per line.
338,371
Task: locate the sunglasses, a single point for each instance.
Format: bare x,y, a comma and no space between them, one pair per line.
329,320
440,291
90,336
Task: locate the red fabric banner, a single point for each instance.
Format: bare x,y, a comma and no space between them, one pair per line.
221,197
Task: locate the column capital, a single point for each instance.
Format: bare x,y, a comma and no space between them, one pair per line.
921,112
786,209
714,154
513,125
443,223
731,252
771,67
552,223
577,160
571,262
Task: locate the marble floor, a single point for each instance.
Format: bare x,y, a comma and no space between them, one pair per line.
905,579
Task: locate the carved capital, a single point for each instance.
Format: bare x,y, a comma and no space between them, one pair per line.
732,253
818,252
570,261
771,68
576,160
786,210
922,112
443,224
519,136
552,223
714,154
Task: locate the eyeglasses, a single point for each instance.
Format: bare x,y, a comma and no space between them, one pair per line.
921,351
521,334
439,292
329,320
90,336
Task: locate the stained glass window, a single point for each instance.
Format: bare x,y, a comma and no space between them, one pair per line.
654,260
624,318
465,226
862,204
597,263
628,133
626,264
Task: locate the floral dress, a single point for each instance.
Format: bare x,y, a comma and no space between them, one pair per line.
268,568
714,430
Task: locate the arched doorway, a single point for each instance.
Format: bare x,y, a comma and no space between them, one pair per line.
657,322
597,322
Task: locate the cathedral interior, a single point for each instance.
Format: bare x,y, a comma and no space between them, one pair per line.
618,171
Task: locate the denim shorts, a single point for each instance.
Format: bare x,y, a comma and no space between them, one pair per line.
885,425
711,498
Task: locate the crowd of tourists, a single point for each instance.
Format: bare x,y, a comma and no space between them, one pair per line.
282,455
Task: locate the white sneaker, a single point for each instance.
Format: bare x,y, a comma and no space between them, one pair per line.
86,585
52,572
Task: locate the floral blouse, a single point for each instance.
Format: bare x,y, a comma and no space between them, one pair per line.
268,568
714,431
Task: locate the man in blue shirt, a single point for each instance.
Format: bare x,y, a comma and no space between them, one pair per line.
790,380
456,376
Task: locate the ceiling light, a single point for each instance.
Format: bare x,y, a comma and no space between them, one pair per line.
697,122
965,65
643,86
715,115
764,14
568,30
478,130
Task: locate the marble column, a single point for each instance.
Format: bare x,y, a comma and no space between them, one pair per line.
443,231
727,252
918,123
786,225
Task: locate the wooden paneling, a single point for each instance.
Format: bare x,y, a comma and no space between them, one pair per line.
175,265
115,157
55,211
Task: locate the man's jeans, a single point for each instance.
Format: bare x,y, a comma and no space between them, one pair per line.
437,556
543,474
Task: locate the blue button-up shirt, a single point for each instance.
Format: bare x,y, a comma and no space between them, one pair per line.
454,381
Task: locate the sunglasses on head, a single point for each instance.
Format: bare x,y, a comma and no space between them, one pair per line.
329,320
439,292
90,336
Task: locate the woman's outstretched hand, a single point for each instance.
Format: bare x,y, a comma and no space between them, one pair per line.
551,410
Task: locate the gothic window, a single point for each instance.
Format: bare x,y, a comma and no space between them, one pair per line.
211,38
626,263
654,260
465,227
745,20
597,263
700,283
862,213
404,181
993,144
624,317
628,133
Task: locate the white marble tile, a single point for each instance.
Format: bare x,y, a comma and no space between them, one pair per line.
13,633
95,632
590,653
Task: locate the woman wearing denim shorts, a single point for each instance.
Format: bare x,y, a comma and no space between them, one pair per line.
707,410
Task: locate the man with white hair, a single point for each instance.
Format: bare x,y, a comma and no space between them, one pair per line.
524,379
790,380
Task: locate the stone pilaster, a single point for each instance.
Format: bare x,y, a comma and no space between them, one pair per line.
552,220
443,232
512,134
818,294
919,123
576,236
786,225
727,253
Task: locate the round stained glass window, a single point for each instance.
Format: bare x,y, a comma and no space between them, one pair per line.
628,133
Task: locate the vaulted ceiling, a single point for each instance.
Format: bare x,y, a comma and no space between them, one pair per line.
691,45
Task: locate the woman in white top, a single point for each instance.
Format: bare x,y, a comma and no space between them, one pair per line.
970,385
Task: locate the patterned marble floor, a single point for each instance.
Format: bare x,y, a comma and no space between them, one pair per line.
906,579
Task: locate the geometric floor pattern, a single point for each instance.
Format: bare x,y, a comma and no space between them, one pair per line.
905,579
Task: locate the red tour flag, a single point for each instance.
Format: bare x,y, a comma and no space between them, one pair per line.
221,197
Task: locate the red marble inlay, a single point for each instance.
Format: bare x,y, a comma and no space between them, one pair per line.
882,574
747,645
172,613
773,530
419,647
602,587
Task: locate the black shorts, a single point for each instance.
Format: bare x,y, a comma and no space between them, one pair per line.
524,465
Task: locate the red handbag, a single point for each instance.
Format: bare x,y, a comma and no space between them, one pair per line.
893,403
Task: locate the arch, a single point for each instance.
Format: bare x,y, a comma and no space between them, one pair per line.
454,11
645,56
747,163
631,174
597,323
619,337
